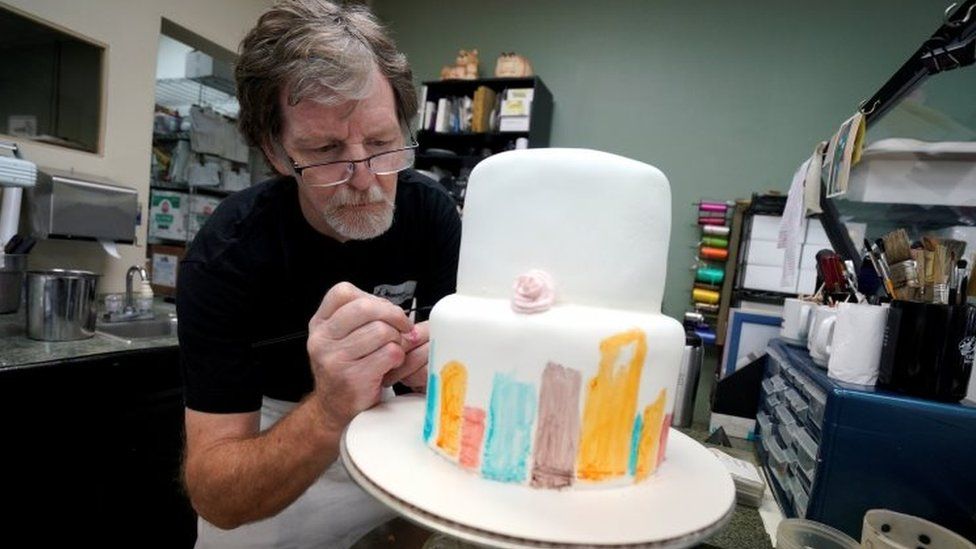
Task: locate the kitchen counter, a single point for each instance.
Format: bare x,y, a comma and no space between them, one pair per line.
18,351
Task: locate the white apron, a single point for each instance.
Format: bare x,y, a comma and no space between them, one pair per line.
333,513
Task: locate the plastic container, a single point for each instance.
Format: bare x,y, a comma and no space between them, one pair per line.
818,403
778,460
803,534
806,452
144,299
884,529
764,423
796,403
800,501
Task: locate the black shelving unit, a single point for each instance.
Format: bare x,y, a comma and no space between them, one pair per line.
952,46
459,152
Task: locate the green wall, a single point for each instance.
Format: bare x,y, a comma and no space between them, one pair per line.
727,98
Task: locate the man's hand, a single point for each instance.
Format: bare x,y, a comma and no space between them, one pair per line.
413,371
354,340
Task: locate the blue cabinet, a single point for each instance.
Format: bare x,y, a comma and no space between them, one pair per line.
835,450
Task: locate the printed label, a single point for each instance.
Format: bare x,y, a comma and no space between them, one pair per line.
397,294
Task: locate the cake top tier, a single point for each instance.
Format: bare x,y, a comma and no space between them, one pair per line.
598,223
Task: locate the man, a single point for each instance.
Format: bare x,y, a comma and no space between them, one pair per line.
284,337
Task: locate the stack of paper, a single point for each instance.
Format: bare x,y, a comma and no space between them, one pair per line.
749,484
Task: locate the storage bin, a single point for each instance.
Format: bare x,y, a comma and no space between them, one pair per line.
806,452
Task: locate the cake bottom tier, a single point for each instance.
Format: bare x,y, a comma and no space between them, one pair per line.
574,397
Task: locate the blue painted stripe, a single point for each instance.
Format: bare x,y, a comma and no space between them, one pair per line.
431,414
511,415
635,444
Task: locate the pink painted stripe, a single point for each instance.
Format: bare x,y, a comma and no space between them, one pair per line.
472,434
664,439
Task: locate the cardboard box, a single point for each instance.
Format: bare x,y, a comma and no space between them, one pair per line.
168,215
765,277
513,124
201,208
164,262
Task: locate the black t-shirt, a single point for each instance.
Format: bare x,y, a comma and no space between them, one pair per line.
257,271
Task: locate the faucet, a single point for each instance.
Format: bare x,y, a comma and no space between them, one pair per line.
129,296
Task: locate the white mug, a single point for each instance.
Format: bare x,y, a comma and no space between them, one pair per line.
821,324
796,320
884,529
854,343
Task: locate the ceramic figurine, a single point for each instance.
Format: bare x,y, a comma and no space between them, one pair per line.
512,65
465,67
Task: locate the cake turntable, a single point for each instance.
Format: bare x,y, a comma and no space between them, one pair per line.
688,499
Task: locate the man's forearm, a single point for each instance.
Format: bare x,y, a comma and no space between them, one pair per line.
237,481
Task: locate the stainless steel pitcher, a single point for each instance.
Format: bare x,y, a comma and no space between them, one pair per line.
61,304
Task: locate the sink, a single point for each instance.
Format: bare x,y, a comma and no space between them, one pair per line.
136,329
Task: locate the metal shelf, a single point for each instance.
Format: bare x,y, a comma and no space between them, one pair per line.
174,93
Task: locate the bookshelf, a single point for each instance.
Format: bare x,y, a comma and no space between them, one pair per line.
459,126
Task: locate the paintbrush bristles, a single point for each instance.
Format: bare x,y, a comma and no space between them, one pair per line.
897,246
940,265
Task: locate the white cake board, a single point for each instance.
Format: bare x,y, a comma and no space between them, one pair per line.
689,498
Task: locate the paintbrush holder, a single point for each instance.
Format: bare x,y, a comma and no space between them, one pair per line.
928,350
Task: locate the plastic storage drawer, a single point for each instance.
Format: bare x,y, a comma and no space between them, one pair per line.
806,453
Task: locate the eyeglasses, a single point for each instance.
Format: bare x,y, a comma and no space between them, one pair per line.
337,172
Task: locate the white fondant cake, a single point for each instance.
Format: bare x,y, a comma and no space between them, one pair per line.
552,365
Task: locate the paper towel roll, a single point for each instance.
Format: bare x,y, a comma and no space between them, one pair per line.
110,248
10,213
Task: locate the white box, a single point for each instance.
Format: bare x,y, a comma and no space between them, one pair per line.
168,214
513,124
908,171
765,277
765,252
808,256
807,283
201,208
766,227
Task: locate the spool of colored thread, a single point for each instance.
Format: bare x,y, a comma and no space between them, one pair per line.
717,254
710,275
705,220
712,206
705,296
717,230
715,241
706,308
707,335
694,318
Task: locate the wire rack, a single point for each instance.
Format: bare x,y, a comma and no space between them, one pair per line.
182,92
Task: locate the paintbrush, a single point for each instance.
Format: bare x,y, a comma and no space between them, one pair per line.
880,268
898,254
960,284
897,246
304,333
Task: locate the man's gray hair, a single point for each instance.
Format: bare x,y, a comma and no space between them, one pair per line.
315,50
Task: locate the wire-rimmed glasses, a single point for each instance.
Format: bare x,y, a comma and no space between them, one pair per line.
337,172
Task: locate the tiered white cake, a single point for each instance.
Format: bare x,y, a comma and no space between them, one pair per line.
552,365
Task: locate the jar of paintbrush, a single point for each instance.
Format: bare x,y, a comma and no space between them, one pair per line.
930,335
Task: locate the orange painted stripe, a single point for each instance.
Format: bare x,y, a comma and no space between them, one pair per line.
454,383
472,434
647,452
609,409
